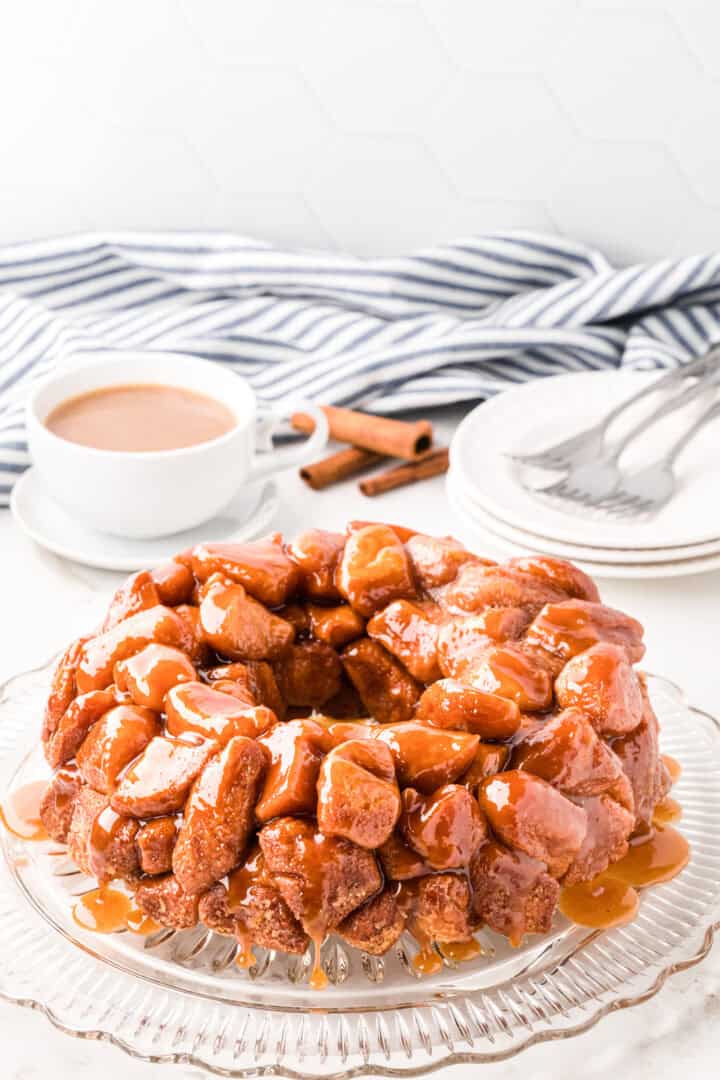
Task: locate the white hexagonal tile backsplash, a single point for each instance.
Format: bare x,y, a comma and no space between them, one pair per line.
370,125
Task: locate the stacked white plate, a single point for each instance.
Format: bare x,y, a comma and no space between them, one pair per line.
502,504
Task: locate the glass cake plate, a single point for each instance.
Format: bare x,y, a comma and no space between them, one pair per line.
180,997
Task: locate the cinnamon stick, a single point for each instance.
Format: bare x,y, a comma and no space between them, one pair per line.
393,438
430,464
339,466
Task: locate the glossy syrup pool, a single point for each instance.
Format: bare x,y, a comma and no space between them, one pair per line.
600,904
20,811
652,860
110,909
612,898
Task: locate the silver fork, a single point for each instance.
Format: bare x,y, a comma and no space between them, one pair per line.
591,483
649,489
588,444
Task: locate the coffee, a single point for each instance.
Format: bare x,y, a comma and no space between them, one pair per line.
140,416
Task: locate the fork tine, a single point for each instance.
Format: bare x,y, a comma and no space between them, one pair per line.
580,498
619,503
644,506
586,498
536,455
622,499
556,488
562,490
541,460
627,514
626,511
622,496
619,499
631,507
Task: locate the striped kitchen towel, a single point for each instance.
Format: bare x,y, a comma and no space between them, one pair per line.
446,324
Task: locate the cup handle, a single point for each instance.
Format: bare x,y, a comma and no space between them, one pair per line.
276,460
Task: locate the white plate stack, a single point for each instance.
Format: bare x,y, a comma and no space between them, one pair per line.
501,503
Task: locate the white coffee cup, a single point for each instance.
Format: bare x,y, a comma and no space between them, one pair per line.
150,493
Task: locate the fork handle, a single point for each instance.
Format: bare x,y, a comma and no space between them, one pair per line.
710,413
667,379
667,407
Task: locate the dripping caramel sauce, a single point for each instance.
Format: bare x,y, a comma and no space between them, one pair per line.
240,883
460,952
318,979
427,961
430,958
140,923
673,767
667,811
610,899
104,830
105,909
245,957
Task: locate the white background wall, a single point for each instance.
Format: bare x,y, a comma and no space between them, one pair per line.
370,125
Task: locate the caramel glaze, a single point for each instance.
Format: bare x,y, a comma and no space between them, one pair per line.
430,957
653,859
459,952
245,957
428,960
673,767
104,830
140,923
600,904
105,909
315,851
611,899
108,910
20,811
667,811
240,885
253,872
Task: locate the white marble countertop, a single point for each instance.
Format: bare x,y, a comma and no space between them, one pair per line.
45,601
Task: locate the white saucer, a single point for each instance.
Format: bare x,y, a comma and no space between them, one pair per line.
247,516
564,550
540,413
484,529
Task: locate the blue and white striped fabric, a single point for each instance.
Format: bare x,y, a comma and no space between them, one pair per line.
446,324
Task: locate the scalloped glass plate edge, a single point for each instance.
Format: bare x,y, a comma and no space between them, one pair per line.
86,998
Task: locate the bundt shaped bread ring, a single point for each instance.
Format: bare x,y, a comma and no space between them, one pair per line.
359,733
